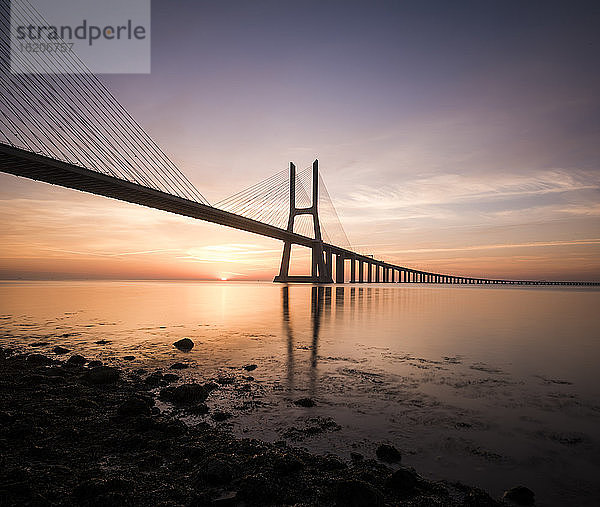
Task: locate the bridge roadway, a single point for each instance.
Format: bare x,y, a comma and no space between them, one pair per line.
362,268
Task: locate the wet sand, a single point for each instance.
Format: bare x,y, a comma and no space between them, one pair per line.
74,432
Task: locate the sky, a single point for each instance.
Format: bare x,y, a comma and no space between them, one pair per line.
459,137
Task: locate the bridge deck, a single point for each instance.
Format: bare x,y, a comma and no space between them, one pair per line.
38,167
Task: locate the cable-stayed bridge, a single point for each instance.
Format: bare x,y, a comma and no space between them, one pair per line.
68,129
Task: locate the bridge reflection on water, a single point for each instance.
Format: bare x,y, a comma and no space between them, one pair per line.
341,302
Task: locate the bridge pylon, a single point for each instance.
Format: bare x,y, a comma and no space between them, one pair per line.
319,270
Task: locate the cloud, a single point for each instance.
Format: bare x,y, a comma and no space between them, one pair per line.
534,244
441,189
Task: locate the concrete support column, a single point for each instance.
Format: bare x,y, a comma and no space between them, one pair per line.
376,273
329,263
369,272
352,270
361,271
339,268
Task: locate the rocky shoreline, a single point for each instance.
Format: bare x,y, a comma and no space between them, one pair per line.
76,432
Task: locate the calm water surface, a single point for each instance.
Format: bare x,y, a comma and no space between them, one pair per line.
492,386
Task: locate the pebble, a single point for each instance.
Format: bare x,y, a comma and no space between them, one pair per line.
185,393
76,360
403,480
388,453
520,495
185,344
135,406
305,402
102,375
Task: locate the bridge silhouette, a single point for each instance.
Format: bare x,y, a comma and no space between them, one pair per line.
62,126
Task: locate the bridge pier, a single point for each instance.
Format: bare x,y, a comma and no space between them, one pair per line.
320,269
339,268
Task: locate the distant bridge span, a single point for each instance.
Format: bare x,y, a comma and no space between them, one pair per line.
20,162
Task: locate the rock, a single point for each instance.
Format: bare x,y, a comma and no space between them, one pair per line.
356,457
135,406
220,416
60,350
331,462
94,364
185,344
250,367
520,495
128,358
185,393
225,380
198,409
102,375
305,402
215,471
286,463
179,366
388,453
38,359
403,480
76,360
154,379
170,377
38,344
102,342
355,493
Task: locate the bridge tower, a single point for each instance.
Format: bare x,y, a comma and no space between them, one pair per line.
319,271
